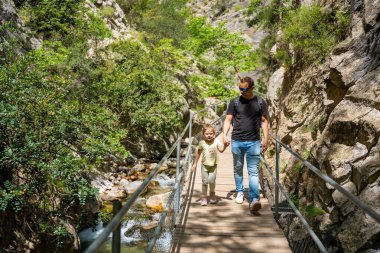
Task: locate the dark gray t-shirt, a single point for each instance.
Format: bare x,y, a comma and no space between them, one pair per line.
247,118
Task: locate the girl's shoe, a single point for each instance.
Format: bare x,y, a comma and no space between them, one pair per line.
212,198
203,201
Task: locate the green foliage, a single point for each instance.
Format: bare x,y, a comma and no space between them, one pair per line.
307,155
203,36
96,27
220,52
61,234
238,7
55,18
263,52
10,47
62,114
298,167
64,21
294,198
342,21
267,15
282,167
45,128
107,11
253,6
312,211
138,86
311,33
158,20
50,134
282,56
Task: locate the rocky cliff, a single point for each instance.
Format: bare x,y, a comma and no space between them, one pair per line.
331,115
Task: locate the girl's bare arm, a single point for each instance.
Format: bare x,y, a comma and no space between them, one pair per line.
222,148
198,154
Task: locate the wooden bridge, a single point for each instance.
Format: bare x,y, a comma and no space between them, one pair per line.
226,226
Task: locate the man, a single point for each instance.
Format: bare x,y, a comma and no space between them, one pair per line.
248,113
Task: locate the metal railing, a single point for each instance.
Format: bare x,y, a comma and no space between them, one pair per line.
173,202
324,177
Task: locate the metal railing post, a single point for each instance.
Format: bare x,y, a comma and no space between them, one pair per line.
176,198
191,125
276,193
190,140
116,232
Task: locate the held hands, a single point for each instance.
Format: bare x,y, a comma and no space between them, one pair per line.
226,141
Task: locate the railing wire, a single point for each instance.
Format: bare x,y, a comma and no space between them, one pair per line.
166,222
329,180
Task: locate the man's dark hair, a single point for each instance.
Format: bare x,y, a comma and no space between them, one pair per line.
248,80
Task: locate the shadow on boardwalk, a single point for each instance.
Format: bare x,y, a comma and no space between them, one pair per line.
225,226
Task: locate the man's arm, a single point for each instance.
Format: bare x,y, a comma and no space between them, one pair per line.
226,127
264,125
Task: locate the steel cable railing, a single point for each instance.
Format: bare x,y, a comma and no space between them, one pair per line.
324,177
114,224
296,211
329,180
176,192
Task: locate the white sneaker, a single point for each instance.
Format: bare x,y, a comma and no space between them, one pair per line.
255,205
239,197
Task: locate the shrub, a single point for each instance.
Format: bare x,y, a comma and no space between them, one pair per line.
311,33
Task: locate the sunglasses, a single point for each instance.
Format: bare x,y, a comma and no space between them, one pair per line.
244,89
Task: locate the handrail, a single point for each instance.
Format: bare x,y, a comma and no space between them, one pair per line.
116,220
175,192
296,211
329,180
118,217
158,229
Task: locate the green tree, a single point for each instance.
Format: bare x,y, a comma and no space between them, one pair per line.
220,52
157,19
138,85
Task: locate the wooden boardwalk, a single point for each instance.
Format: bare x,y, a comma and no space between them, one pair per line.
226,226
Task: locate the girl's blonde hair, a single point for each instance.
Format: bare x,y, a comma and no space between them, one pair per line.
208,126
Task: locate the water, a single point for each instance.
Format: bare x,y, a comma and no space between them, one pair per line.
134,242
134,237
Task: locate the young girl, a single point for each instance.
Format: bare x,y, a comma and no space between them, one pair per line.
208,147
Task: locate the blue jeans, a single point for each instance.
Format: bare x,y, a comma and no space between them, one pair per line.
250,149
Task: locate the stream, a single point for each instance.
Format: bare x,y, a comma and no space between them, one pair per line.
138,227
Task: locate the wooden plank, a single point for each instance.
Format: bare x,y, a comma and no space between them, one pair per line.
227,226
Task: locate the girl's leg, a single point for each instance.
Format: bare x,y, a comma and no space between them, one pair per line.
211,180
204,186
204,180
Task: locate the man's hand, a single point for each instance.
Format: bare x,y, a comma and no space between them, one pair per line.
226,141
